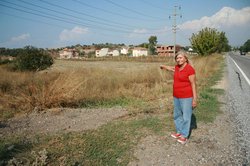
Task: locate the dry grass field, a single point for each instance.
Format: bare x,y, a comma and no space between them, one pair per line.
79,83
82,83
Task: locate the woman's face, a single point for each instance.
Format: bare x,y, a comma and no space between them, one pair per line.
180,60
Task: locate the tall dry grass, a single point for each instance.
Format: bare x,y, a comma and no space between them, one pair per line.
206,67
22,92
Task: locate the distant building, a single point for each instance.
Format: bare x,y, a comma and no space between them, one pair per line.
115,53
164,50
191,51
124,51
139,51
102,52
10,58
106,52
67,53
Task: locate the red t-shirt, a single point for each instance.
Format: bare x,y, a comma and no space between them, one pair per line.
182,86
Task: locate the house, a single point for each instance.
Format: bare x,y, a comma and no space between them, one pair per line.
164,50
102,52
114,53
67,53
124,51
139,51
9,58
106,52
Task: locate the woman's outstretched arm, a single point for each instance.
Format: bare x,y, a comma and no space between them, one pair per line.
169,68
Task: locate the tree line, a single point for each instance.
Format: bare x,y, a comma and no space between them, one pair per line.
205,42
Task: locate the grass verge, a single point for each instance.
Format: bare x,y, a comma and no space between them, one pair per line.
209,105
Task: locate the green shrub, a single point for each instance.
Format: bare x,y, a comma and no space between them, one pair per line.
33,59
4,61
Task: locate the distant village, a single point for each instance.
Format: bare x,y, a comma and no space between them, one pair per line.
99,50
83,52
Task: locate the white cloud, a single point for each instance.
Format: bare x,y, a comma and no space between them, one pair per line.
227,17
138,32
143,34
147,32
20,38
74,34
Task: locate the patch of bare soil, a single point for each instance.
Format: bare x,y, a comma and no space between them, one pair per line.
209,144
60,120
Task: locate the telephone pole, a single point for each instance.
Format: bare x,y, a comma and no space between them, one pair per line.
174,26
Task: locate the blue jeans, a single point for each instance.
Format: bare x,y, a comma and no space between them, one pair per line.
182,115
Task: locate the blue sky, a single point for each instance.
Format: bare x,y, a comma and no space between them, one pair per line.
59,23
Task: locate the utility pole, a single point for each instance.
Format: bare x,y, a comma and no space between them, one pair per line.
174,26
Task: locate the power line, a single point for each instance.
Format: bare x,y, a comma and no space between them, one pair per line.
81,13
103,22
65,21
44,15
48,13
54,11
98,18
131,10
33,20
153,5
110,12
59,18
62,19
40,13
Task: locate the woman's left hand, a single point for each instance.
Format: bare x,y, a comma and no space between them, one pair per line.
194,103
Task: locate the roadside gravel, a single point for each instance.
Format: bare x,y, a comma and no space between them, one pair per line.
239,107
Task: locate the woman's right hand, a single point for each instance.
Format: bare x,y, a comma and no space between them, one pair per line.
169,68
162,67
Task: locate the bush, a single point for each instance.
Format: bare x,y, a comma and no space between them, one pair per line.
4,61
33,59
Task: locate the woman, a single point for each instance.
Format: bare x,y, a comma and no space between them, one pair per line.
185,97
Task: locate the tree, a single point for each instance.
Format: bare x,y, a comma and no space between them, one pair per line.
144,45
223,45
246,46
33,59
208,41
152,44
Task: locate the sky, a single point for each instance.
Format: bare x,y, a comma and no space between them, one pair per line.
61,23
